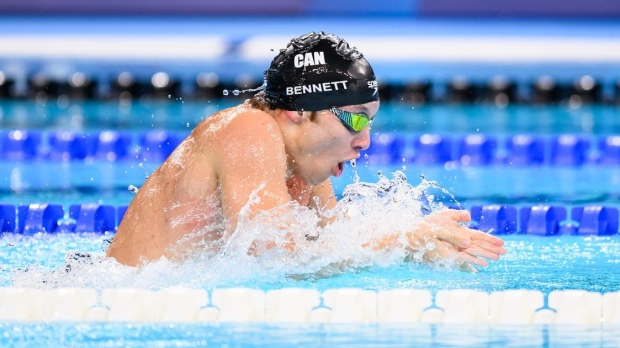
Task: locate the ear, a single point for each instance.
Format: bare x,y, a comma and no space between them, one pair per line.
294,116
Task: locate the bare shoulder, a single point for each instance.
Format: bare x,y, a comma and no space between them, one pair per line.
248,156
241,132
237,122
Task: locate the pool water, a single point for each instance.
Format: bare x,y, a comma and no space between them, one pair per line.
261,335
183,115
106,182
540,263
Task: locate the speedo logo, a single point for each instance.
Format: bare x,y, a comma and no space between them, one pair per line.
373,85
309,59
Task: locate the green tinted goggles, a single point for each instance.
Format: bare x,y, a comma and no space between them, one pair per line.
354,122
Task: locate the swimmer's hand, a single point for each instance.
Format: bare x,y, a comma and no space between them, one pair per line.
443,230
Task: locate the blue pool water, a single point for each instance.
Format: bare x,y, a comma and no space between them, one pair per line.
253,335
541,263
106,182
183,115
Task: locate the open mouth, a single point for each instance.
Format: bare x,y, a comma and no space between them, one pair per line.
338,169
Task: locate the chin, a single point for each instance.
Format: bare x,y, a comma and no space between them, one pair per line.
315,177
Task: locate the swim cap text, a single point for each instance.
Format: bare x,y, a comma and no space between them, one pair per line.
373,85
308,59
318,87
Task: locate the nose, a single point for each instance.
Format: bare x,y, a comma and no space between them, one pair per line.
361,141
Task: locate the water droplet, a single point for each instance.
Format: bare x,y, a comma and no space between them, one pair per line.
366,156
140,165
133,189
353,163
236,92
187,124
169,96
404,168
225,92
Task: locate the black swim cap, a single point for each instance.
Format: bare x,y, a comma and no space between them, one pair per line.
319,72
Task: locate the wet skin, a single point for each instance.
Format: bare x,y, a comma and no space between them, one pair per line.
195,197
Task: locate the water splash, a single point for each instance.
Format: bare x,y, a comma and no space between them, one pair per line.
356,177
284,244
237,92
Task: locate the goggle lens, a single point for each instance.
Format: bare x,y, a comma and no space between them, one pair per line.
355,122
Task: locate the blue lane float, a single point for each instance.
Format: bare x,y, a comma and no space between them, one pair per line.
35,218
7,218
112,146
432,149
596,220
20,145
610,150
67,146
386,148
542,220
525,150
538,220
477,149
120,213
495,219
93,217
157,145
569,150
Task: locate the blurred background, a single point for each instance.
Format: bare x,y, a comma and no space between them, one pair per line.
434,50
529,88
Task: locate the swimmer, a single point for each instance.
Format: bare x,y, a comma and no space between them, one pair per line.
312,115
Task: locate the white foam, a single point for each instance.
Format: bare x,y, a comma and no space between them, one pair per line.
367,212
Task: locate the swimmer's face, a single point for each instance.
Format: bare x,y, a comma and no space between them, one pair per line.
328,144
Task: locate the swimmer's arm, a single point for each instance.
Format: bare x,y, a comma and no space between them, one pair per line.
249,157
449,238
